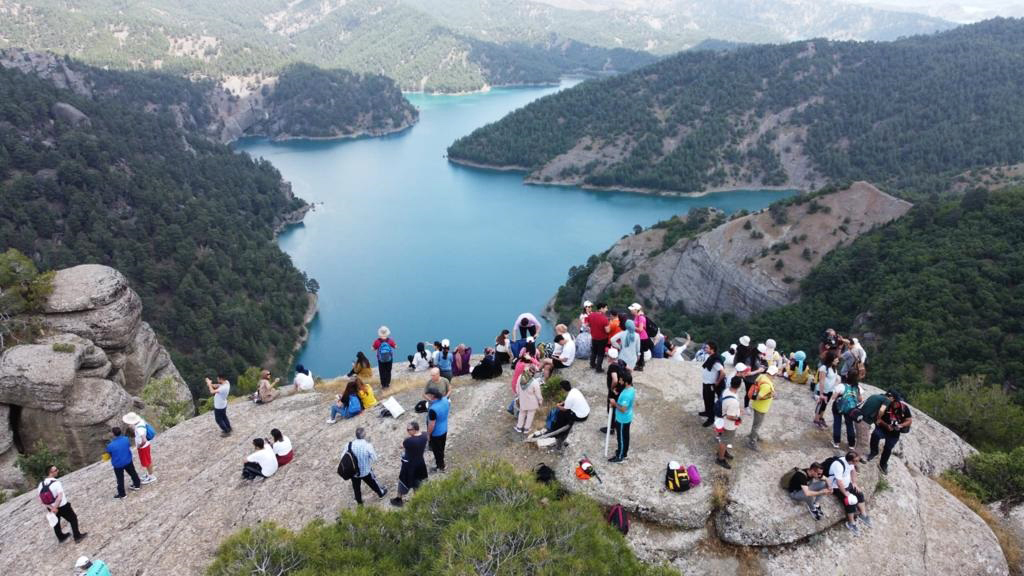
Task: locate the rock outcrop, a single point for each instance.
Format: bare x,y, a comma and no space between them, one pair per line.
748,264
67,389
737,519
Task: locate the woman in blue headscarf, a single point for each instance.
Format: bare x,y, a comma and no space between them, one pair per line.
797,370
628,343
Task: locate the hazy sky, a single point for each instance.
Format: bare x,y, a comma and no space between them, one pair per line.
959,10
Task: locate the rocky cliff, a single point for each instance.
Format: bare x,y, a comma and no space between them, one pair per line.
747,264
88,369
737,520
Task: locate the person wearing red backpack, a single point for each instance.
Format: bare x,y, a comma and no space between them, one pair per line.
51,494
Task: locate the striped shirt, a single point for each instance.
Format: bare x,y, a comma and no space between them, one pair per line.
365,455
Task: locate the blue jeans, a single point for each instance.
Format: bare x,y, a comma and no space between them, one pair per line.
221,416
339,411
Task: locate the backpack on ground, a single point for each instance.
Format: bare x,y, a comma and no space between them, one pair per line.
788,477
676,478
544,473
848,401
619,518
385,353
46,496
150,432
348,467
694,475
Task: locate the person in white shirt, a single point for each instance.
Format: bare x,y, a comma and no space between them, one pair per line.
303,380
142,444
828,381
574,408
420,361
564,355
262,462
588,307
220,392
281,446
364,454
729,421
55,500
712,381
842,478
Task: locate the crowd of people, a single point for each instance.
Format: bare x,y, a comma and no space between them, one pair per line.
735,383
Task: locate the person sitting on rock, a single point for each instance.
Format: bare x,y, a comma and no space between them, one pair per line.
807,486
842,477
420,361
86,566
797,370
488,367
266,392
574,408
347,404
260,464
281,446
563,356
303,381
730,420
460,360
365,393
361,367
502,348
444,359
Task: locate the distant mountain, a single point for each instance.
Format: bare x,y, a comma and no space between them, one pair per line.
908,115
241,37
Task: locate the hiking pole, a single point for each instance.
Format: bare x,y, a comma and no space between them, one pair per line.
607,433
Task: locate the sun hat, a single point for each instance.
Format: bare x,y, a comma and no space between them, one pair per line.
81,562
383,332
130,419
770,343
745,340
613,353
741,367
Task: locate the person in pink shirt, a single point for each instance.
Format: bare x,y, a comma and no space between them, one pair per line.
640,321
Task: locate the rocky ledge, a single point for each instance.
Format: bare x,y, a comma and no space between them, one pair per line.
737,519
68,388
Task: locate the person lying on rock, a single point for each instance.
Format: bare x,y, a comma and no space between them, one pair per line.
261,463
842,476
807,486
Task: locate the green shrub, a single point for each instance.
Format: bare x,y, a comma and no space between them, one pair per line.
63,348
983,415
247,382
643,281
161,402
993,476
483,520
552,389
36,463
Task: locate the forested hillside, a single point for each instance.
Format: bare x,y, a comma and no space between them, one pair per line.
908,115
119,181
241,37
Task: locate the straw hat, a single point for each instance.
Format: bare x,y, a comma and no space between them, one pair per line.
130,419
383,332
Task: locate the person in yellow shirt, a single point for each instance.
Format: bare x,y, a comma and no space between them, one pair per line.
761,396
365,393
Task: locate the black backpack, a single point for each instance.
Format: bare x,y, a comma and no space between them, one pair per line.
619,518
718,404
652,328
349,466
544,473
827,464
676,479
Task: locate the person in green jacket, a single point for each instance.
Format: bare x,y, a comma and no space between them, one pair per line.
87,567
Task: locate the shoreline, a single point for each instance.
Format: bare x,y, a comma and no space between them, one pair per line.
352,136
626,189
312,309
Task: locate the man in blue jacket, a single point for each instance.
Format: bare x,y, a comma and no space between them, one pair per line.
120,450
437,425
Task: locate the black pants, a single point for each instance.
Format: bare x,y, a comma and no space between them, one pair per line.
119,474
837,427
251,470
645,345
385,373
357,482
597,353
622,435
708,392
437,447
747,383
67,513
221,416
891,438
526,332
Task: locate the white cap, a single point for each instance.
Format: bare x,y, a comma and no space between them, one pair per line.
445,343
770,343
634,306
81,562
613,353
773,370
587,304
762,348
673,464
745,340
741,367
130,419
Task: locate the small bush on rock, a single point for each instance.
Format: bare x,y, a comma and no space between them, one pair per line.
159,397
36,464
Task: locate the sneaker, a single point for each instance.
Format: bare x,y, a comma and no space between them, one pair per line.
81,537
225,434
437,470
871,457
835,446
865,520
134,487
63,539
753,446
748,411
603,430
149,479
615,460
728,456
703,414
852,528
397,502
884,470
331,421
723,463
118,496
708,422
817,513
383,493
517,429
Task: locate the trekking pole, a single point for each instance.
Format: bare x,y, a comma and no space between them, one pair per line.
607,433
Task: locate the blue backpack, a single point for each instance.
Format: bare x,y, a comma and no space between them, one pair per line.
150,432
385,353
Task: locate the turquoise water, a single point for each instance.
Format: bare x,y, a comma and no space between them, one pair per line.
401,237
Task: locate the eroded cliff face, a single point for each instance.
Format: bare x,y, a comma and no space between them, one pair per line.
87,371
748,264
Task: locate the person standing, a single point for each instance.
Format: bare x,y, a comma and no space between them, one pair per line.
120,450
443,359
628,343
51,493
844,402
712,377
365,455
623,407
761,401
729,421
86,566
530,398
616,372
892,420
438,408
414,466
588,309
597,322
527,326
640,321
385,347
220,392
142,444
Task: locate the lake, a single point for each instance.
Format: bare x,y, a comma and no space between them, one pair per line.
401,237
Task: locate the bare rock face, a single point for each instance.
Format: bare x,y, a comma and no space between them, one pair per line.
748,264
199,499
79,380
